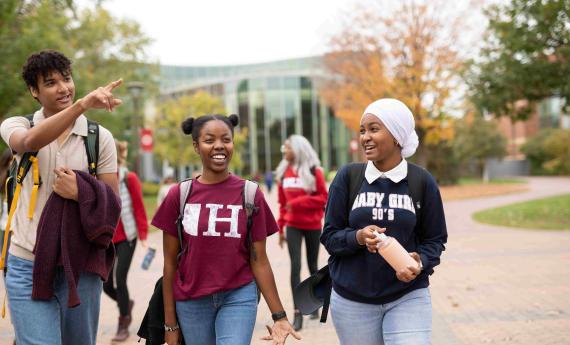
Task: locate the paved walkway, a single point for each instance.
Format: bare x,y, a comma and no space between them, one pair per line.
495,285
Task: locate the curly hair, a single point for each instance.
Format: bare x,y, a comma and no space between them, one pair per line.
43,63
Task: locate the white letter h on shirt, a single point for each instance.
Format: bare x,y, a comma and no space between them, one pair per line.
192,214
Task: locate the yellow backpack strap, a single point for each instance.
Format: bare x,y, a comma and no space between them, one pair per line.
8,225
4,305
37,184
28,160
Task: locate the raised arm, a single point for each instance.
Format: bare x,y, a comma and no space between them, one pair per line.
51,128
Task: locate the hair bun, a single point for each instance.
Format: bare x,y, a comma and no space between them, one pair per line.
234,119
187,125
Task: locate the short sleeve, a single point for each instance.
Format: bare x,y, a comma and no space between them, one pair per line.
167,214
263,221
107,163
11,125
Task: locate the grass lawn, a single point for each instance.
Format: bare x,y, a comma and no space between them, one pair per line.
550,213
467,181
475,188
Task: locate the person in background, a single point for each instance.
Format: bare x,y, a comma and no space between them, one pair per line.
133,224
5,161
210,292
164,188
302,199
268,179
371,303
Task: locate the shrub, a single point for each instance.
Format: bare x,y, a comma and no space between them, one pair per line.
150,188
549,152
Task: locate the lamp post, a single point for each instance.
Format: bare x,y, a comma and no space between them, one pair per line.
135,89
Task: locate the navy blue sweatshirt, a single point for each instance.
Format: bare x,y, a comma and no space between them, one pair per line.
366,277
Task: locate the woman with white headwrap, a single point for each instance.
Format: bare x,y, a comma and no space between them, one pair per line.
371,303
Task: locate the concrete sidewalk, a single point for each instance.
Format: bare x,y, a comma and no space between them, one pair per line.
494,286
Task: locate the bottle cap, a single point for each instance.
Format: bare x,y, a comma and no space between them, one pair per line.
380,235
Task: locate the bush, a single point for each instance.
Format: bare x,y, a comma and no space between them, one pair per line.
443,163
150,188
548,152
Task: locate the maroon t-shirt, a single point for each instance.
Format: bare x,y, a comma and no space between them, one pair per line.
215,228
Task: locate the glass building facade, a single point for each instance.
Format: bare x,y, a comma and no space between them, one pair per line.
273,100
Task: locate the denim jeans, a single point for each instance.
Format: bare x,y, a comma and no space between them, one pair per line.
223,318
405,321
52,322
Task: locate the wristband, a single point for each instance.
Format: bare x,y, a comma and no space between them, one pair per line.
279,315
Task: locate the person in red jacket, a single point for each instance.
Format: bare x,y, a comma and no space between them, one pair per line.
133,224
302,198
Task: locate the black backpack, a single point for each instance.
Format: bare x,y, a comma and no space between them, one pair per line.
417,177
18,172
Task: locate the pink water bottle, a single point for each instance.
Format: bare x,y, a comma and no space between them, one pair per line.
393,252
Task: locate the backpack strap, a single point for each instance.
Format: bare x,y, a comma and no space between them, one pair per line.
249,191
417,177
313,170
185,189
30,160
14,187
355,178
92,146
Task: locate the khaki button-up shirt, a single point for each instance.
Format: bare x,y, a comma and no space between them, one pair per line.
71,154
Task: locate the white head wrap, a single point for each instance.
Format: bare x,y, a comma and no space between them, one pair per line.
399,120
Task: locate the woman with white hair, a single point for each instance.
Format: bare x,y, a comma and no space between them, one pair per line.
371,303
302,198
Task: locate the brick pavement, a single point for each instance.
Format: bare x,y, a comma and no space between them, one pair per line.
495,285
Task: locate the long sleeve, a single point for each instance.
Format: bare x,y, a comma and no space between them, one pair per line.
338,237
316,200
139,212
432,230
282,199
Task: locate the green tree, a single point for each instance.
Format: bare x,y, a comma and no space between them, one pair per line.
526,57
477,139
102,48
172,145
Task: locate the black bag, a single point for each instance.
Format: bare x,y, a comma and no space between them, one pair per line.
315,291
152,325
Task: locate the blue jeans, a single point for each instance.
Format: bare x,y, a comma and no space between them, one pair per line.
52,322
405,321
223,318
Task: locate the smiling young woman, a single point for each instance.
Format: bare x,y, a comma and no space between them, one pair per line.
371,303
214,283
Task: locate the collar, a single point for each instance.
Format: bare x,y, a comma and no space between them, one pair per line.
79,127
397,174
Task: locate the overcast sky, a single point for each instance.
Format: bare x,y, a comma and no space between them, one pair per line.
218,32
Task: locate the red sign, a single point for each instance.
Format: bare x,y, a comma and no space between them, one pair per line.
353,145
146,140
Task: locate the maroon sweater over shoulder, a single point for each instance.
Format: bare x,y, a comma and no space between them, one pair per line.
77,236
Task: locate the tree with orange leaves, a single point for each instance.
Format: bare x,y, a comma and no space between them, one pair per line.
409,52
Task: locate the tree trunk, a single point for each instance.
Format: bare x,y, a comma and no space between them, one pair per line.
484,171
